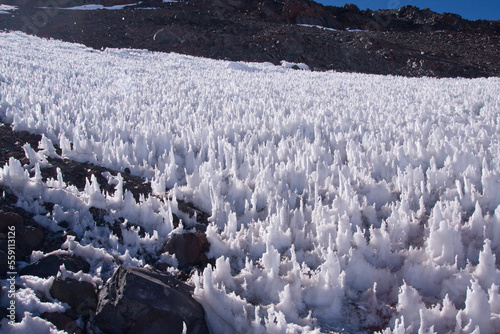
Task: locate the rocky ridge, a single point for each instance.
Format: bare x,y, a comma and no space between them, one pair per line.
406,41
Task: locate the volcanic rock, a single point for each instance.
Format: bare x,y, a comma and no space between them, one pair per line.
80,295
437,45
9,219
189,248
49,265
62,322
138,300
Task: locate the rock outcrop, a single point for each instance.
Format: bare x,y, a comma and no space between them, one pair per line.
407,41
49,265
138,300
80,295
189,249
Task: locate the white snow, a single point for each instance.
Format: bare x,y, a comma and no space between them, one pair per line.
301,66
330,29
115,7
7,9
316,26
95,7
356,30
338,202
30,324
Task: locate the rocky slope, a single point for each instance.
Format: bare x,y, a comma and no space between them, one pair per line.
91,302
407,41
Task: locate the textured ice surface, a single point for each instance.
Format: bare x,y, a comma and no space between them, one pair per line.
338,201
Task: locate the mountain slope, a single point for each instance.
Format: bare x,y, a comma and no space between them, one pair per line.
408,41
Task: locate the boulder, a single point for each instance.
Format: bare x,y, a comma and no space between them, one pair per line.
189,248
139,300
62,322
169,35
49,266
80,295
32,238
8,219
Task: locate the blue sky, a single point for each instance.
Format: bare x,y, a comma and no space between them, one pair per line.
469,9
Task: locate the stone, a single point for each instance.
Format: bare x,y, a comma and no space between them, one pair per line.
168,36
3,312
188,248
109,3
49,266
8,219
80,295
139,300
62,322
32,238
3,264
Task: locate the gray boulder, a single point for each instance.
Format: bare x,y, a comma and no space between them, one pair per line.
9,219
138,300
49,266
189,249
80,295
62,322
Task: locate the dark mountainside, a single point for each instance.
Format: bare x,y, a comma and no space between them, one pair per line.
406,41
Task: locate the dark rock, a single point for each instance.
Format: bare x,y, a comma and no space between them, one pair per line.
169,35
309,12
9,219
189,248
52,241
62,322
49,265
98,215
32,238
3,312
138,300
109,3
63,224
80,295
270,10
3,264
61,3
192,211
175,220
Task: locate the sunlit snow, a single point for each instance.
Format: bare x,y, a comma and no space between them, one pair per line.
6,9
96,7
338,202
115,7
316,26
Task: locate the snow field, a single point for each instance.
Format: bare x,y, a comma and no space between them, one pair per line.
339,202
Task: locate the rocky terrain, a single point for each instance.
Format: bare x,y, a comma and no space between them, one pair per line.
406,41
86,300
